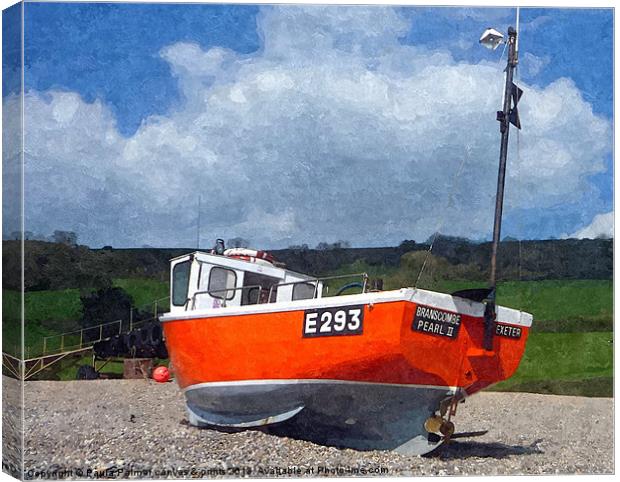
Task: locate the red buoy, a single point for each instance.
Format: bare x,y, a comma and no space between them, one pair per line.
161,374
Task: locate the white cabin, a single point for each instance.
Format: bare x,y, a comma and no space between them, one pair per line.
202,280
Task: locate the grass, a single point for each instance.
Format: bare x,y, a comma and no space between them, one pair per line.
569,350
565,363
553,300
11,321
145,291
557,305
331,287
588,387
11,335
61,305
65,305
67,369
58,311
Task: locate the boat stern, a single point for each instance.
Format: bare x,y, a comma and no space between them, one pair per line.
482,367
444,336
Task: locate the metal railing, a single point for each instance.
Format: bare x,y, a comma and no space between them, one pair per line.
316,282
225,298
153,305
56,347
270,298
26,361
78,339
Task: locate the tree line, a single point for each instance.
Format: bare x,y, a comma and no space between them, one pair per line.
53,266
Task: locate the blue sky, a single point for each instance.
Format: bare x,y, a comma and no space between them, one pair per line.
135,72
110,52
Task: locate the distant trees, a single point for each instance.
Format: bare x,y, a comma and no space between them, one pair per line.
432,269
437,236
65,237
407,245
299,247
57,266
53,266
105,305
323,246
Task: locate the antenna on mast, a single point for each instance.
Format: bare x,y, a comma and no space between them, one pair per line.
517,29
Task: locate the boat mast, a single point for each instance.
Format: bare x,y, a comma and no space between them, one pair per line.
508,115
503,117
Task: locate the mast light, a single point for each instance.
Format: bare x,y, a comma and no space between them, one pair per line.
491,38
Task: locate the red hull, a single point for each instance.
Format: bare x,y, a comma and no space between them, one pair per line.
220,347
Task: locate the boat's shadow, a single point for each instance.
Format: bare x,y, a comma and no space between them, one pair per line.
460,449
463,449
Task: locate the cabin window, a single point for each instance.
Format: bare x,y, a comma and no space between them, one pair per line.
222,282
257,287
303,291
180,283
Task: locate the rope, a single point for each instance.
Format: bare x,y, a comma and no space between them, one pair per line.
450,198
442,219
503,52
519,223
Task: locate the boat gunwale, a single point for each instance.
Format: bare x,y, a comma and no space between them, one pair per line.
414,295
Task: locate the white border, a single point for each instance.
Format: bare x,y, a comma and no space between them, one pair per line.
315,381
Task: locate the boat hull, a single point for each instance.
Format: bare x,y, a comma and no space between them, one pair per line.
260,366
363,416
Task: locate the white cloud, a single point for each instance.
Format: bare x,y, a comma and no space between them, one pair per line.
531,65
602,226
11,167
332,130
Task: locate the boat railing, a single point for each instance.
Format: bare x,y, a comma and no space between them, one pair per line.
272,290
316,282
225,292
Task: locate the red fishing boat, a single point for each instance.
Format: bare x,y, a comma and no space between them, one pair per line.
254,344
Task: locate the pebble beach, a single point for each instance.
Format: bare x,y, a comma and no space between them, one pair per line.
138,429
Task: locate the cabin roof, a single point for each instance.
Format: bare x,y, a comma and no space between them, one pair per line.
242,265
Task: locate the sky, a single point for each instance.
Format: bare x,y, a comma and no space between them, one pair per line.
302,124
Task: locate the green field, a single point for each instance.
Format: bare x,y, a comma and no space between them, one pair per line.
557,305
67,369
52,312
64,305
145,291
565,363
574,305
570,349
